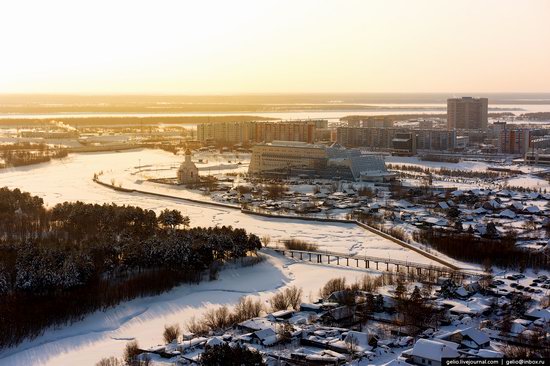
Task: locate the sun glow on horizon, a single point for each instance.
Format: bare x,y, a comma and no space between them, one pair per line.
207,47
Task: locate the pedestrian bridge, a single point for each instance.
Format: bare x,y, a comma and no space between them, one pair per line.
374,263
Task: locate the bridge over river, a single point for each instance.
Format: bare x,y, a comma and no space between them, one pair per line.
374,263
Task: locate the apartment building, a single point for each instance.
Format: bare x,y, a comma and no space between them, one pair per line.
252,132
386,138
510,139
467,113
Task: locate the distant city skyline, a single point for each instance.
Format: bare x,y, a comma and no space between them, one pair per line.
240,47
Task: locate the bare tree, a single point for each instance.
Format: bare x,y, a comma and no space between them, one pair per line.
247,308
333,285
197,327
289,298
171,333
109,361
131,353
266,239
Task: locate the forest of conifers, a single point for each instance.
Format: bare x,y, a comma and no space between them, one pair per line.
59,264
26,153
500,251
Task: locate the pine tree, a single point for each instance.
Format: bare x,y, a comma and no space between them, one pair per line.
379,303
4,283
172,218
492,231
416,297
400,289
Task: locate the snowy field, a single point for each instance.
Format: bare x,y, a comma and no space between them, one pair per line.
529,181
468,165
104,334
70,179
526,180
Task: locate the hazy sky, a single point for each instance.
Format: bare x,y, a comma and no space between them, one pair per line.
232,46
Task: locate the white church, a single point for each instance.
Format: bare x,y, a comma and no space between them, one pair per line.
188,172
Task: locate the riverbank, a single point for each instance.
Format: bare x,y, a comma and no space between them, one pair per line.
70,179
104,334
295,217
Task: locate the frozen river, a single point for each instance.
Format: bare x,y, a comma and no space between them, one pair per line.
332,115
105,333
70,179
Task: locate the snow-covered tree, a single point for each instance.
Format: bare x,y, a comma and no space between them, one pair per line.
172,218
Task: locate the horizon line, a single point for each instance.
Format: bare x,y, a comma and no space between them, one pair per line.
258,93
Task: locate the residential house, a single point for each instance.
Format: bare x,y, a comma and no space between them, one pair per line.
470,338
429,352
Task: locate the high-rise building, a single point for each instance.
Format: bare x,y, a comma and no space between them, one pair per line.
510,139
383,138
378,121
514,141
251,132
467,113
225,132
284,131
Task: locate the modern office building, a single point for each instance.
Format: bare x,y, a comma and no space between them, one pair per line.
281,156
354,123
291,158
467,113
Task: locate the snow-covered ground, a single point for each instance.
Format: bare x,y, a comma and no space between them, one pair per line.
468,165
526,180
104,334
70,179
529,181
